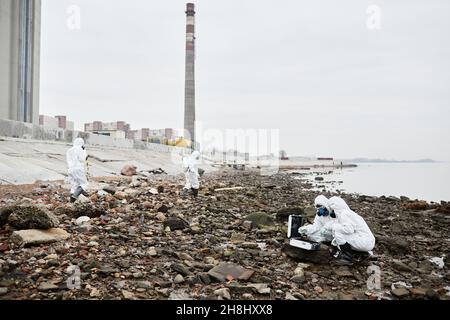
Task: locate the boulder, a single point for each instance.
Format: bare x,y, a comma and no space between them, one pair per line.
82,209
129,170
416,205
321,256
229,271
283,214
175,224
30,217
36,237
259,219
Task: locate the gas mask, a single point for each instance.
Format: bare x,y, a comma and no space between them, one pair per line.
322,212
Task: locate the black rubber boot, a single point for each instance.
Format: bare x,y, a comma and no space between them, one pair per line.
77,192
194,192
344,257
72,198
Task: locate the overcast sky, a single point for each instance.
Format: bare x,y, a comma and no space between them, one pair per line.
312,69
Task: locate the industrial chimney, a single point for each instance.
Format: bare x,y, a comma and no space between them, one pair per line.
189,97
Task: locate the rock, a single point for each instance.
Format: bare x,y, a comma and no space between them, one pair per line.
443,208
4,215
129,170
400,266
144,285
3,291
223,293
110,189
318,290
416,205
237,237
152,252
321,256
395,245
319,178
128,295
299,271
47,286
160,189
283,214
30,217
183,270
36,237
81,220
121,195
204,278
163,209
299,279
180,295
248,296
247,225
94,293
289,297
178,279
176,224
343,272
418,292
82,210
432,294
261,288
224,271
400,292
259,219
160,216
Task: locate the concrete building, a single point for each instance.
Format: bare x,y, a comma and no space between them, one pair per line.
189,98
117,129
20,29
56,122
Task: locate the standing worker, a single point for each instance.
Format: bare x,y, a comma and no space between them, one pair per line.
76,158
191,174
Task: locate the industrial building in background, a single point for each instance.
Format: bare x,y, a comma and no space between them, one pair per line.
20,29
189,98
60,122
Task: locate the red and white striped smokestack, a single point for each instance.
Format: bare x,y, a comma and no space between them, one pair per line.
189,99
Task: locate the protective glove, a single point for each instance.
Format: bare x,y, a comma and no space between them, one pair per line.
323,232
303,231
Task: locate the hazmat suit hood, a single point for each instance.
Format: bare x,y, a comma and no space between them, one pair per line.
321,201
338,205
78,142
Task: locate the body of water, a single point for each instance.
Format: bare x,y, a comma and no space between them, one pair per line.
424,181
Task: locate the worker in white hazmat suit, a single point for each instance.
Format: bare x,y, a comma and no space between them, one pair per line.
321,229
350,232
191,173
76,160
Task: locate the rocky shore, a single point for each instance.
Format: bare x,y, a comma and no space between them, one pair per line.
136,238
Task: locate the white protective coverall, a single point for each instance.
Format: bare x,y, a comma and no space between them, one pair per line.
76,158
191,171
350,227
321,229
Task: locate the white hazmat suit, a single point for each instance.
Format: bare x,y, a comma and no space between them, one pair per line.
76,158
321,229
191,171
350,227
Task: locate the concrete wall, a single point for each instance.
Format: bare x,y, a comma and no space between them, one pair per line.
21,130
12,61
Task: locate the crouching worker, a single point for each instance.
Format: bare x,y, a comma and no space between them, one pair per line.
321,229
191,174
350,232
76,159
